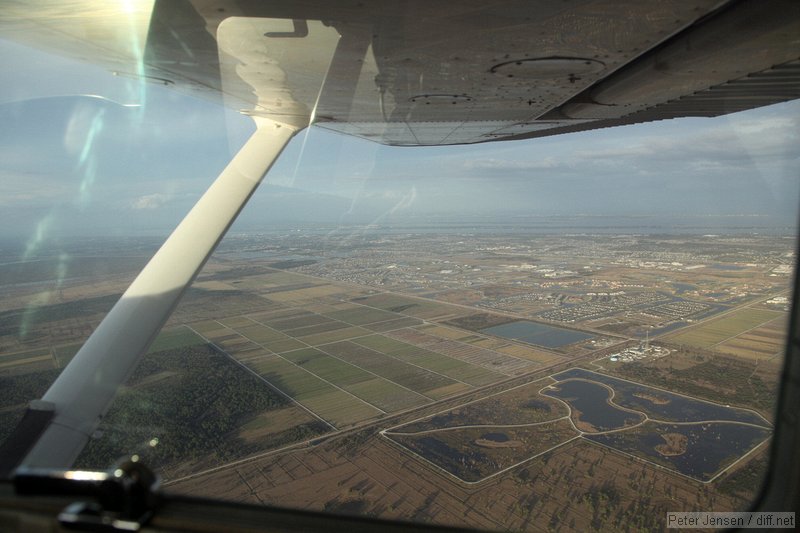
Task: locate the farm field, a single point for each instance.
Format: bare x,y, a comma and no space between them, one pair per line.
348,363
365,373
767,341
724,330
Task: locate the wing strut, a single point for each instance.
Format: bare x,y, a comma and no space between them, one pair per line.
84,390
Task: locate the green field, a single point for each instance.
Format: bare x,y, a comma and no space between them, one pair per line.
206,326
334,336
713,332
237,345
236,321
417,379
408,306
362,315
261,334
394,324
268,338
175,338
21,356
300,321
330,403
64,354
377,391
441,364
342,372
26,362
325,327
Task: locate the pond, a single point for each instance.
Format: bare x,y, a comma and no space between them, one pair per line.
663,405
466,463
591,410
539,334
726,266
495,437
704,449
680,288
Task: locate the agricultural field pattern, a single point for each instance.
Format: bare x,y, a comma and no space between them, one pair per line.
523,380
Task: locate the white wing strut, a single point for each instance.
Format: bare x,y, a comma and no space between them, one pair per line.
84,390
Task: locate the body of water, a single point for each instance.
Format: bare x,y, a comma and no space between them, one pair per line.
663,405
539,334
709,447
591,402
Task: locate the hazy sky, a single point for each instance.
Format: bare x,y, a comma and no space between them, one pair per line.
79,165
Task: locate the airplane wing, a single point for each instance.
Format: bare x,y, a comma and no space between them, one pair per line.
407,73
418,72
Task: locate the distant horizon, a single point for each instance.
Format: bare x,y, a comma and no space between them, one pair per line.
511,224
73,165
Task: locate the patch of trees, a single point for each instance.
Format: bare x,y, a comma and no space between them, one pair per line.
195,409
479,321
19,390
745,481
719,380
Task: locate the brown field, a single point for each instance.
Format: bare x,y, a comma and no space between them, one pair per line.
475,355
273,422
764,342
532,354
519,405
235,322
446,333
396,323
411,306
462,296
11,365
490,343
724,329
574,488
303,320
335,336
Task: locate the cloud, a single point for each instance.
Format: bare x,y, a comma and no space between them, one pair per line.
733,140
150,201
510,164
386,194
28,189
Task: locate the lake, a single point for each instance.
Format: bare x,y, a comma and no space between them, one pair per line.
663,405
590,400
709,447
538,334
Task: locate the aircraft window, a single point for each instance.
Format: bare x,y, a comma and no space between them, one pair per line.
575,332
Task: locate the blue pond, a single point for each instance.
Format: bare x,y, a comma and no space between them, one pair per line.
663,405
539,334
590,400
708,447
724,266
495,437
680,288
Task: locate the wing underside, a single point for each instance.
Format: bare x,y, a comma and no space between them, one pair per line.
432,73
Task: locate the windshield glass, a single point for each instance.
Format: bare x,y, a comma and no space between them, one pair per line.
574,332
